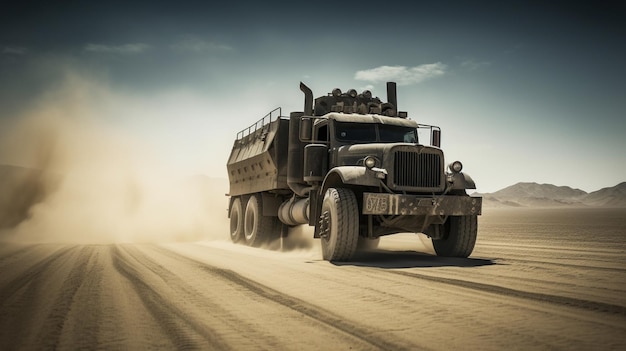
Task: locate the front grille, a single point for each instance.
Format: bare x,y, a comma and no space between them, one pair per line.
417,170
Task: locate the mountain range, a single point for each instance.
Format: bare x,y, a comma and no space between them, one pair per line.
548,195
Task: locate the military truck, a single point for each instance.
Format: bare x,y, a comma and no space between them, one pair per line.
355,168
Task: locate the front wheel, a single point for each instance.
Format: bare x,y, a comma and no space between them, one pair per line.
339,224
459,237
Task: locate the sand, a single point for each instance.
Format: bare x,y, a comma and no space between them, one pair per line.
538,279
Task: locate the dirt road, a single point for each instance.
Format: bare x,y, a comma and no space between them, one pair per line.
217,295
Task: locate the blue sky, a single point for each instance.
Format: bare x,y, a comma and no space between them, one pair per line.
523,91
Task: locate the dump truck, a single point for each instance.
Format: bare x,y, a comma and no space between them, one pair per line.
353,167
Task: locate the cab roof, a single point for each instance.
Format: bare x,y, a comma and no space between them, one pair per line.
378,119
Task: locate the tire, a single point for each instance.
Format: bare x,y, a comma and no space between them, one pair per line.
459,237
236,220
258,229
367,244
339,226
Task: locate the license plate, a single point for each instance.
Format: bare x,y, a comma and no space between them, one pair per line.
376,203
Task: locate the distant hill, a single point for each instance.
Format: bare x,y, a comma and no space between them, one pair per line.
548,195
607,197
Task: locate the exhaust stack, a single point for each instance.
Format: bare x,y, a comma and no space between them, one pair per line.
392,96
308,99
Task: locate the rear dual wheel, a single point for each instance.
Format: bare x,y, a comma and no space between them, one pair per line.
257,228
248,225
236,220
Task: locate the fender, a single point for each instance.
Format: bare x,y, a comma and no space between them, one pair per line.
337,177
462,181
354,175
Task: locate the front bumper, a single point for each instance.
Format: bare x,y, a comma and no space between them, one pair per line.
417,205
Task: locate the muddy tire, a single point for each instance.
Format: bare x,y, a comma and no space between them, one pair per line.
459,237
236,220
258,229
339,226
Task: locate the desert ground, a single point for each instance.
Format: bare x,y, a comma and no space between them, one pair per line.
538,279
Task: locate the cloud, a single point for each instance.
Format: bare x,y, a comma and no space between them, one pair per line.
474,65
133,48
194,44
14,50
367,87
401,74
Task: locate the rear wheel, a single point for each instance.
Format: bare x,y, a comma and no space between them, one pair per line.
459,237
258,229
339,226
236,220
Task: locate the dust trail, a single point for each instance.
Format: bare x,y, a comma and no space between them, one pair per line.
86,181
300,238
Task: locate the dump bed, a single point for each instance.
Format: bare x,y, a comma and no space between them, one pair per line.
258,160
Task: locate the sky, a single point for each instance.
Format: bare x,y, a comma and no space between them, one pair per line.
523,91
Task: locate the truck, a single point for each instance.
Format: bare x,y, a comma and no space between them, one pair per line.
353,167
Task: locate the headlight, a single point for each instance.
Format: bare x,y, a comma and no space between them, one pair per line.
455,166
370,162
336,92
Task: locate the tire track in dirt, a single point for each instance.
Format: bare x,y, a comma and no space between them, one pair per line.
606,256
493,245
54,323
321,315
15,253
31,274
183,331
20,297
566,265
85,327
539,297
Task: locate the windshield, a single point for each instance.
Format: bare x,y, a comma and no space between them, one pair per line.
371,132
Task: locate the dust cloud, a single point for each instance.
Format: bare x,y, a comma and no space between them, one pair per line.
69,175
298,239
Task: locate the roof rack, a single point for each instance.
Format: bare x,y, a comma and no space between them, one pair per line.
267,119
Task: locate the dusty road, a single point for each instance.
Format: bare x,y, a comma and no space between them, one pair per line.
217,295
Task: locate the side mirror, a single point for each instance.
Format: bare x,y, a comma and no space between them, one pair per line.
306,129
435,139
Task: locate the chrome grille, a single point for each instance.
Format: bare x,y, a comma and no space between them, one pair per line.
417,170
